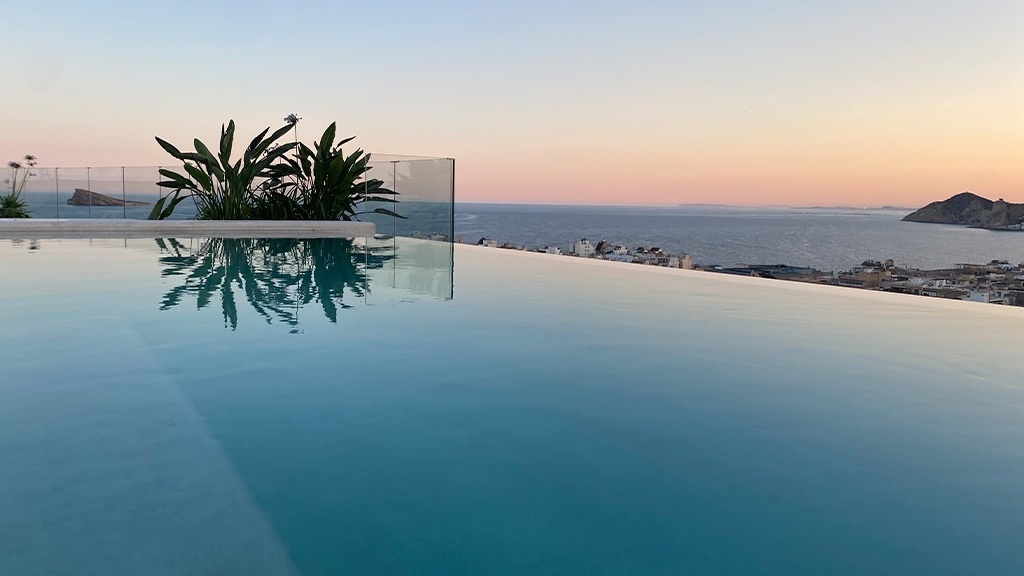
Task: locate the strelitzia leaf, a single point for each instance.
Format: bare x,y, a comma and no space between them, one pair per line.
158,209
170,207
163,208
259,138
199,176
197,158
260,148
202,149
227,139
169,148
327,140
175,177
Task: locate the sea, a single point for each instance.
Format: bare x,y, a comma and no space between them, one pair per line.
828,239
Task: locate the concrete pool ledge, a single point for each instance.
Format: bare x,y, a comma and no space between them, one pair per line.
38,228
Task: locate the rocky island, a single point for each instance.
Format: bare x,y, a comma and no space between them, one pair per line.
968,209
84,197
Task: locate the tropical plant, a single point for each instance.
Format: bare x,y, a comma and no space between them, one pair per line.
222,189
12,204
163,207
322,183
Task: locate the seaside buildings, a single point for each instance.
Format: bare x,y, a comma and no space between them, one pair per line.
583,248
997,282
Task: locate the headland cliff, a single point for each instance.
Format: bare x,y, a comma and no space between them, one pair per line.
968,209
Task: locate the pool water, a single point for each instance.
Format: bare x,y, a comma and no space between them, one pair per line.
556,416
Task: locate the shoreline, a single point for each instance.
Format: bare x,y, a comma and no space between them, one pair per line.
995,282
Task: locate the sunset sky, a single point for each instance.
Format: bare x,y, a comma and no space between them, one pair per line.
645,102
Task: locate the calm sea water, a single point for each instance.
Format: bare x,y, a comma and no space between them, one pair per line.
824,238
827,239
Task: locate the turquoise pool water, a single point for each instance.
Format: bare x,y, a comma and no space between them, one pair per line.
557,416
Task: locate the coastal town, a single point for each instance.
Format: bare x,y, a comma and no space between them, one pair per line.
995,282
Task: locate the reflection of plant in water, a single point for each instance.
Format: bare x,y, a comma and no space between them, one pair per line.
278,276
32,244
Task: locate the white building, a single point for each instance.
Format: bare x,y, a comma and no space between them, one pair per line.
552,250
583,248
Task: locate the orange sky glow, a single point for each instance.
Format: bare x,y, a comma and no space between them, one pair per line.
833,104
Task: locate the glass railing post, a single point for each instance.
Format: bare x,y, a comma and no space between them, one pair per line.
394,188
88,185
451,234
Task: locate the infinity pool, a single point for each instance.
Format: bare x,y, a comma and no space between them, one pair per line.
328,407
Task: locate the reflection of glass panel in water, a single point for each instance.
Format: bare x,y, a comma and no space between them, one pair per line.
419,267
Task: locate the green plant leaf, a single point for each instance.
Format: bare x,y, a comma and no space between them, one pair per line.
202,149
199,176
197,158
227,138
259,138
327,140
178,179
261,147
169,148
158,209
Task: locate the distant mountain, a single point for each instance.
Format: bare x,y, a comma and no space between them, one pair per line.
968,209
861,208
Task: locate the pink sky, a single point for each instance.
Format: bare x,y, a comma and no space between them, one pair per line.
656,103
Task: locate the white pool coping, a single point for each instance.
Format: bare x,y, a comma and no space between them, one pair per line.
39,228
